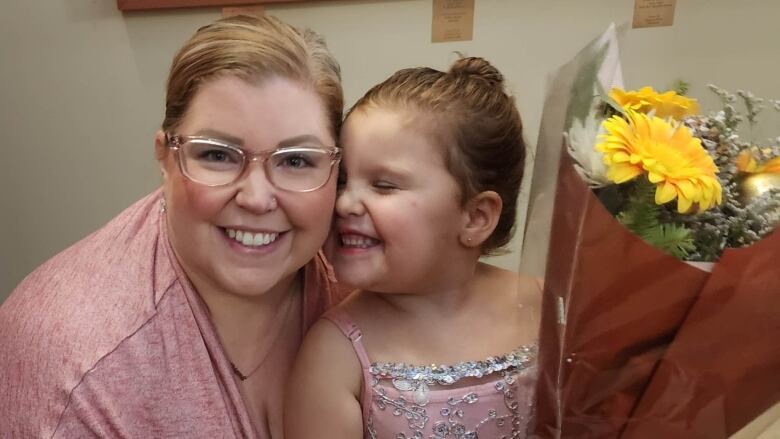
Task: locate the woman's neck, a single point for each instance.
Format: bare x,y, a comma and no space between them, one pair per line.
248,326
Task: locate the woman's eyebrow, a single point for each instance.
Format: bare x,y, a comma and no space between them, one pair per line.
302,139
237,141
219,135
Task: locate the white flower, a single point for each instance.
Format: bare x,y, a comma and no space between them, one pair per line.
581,141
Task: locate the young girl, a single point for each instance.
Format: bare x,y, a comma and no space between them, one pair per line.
434,343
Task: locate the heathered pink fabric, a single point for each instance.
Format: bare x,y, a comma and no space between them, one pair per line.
108,339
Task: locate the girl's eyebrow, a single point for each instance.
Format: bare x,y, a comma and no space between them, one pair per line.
392,170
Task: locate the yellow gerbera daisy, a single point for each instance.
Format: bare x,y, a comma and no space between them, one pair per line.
667,104
672,158
746,162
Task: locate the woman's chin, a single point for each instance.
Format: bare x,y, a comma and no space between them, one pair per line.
249,282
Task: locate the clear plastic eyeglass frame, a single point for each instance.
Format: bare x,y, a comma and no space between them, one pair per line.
177,144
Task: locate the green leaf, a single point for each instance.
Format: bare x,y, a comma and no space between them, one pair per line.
642,216
681,87
674,239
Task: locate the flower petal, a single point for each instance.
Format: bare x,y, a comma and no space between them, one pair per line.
665,193
683,204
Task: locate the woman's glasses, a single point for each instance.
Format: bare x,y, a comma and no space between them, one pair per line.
213,162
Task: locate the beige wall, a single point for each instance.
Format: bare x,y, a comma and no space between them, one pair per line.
81,85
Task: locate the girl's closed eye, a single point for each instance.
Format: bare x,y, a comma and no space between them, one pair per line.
384,186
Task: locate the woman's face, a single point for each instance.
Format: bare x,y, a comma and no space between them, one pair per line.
203,221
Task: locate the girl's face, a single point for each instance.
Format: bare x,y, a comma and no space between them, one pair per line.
203,221
398,211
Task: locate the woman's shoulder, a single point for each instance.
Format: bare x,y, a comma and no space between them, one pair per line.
121,252
82,303
100,285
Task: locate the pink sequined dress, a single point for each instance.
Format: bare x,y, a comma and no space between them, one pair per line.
403,401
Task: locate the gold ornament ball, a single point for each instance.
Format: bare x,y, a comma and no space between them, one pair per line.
755,185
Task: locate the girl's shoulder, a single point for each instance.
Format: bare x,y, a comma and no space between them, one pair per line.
325,383
327,353
517,287
512,298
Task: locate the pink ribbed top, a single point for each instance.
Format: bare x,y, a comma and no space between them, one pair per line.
109,339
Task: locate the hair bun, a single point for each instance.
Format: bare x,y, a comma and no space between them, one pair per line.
478,67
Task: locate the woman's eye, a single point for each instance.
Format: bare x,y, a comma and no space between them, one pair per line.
214,155
296,161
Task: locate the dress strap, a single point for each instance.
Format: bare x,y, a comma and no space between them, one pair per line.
344,322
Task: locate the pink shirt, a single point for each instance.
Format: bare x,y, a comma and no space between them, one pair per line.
109,339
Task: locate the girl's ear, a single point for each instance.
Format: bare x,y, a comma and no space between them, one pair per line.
481,213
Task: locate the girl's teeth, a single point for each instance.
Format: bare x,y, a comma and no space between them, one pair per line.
250,239
357,241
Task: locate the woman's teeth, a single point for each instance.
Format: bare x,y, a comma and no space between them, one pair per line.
357,241
251,239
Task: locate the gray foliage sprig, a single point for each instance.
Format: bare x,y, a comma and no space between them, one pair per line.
732,223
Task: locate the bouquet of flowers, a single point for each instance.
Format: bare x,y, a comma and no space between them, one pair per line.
656,149
628,186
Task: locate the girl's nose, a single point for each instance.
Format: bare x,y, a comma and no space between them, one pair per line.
349,202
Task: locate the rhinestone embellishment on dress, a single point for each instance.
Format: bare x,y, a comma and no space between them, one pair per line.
415,382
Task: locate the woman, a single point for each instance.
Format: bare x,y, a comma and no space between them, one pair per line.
181,317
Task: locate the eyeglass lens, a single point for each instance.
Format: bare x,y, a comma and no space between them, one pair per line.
294,168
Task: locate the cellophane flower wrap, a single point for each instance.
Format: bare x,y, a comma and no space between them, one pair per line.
629,187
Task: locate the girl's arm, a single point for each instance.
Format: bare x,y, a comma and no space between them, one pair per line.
323,395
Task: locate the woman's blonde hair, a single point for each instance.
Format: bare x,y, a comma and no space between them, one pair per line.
253,48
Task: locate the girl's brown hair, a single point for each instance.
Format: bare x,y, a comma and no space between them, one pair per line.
476,121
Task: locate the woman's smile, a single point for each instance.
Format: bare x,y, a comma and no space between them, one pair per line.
249,241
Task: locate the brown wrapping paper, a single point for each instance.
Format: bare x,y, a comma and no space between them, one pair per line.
723,368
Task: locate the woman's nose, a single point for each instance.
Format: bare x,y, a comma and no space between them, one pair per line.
256,193
349,202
